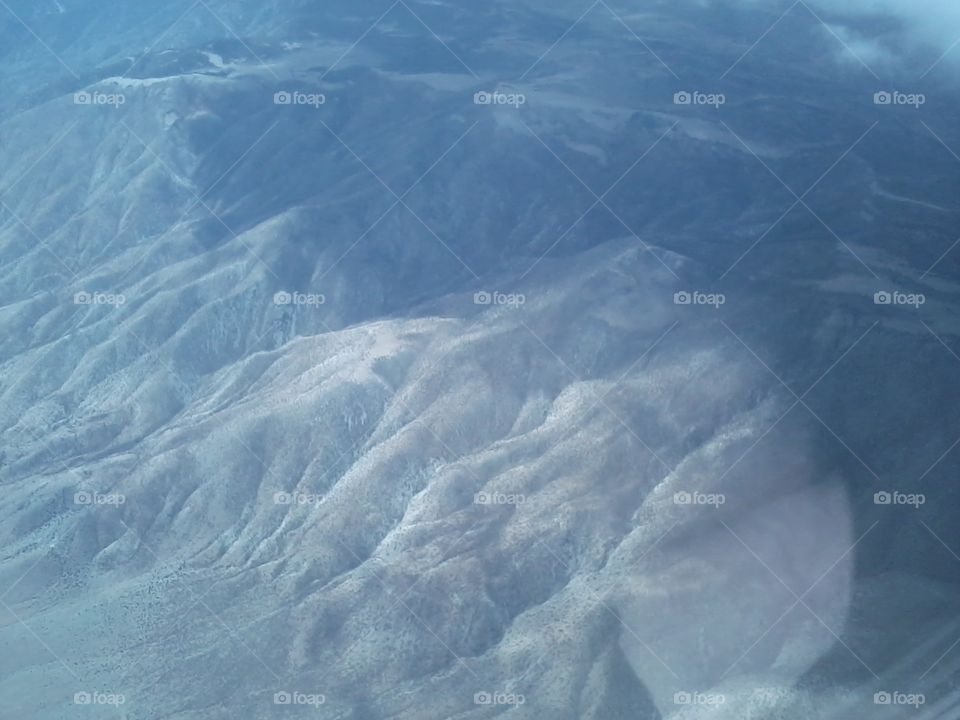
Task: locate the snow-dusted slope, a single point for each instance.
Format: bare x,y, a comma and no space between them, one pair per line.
331,389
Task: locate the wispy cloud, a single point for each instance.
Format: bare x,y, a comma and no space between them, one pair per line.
931,23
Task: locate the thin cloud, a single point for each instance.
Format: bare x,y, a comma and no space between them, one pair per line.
932,24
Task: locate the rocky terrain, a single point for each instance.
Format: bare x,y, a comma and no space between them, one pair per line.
465,360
